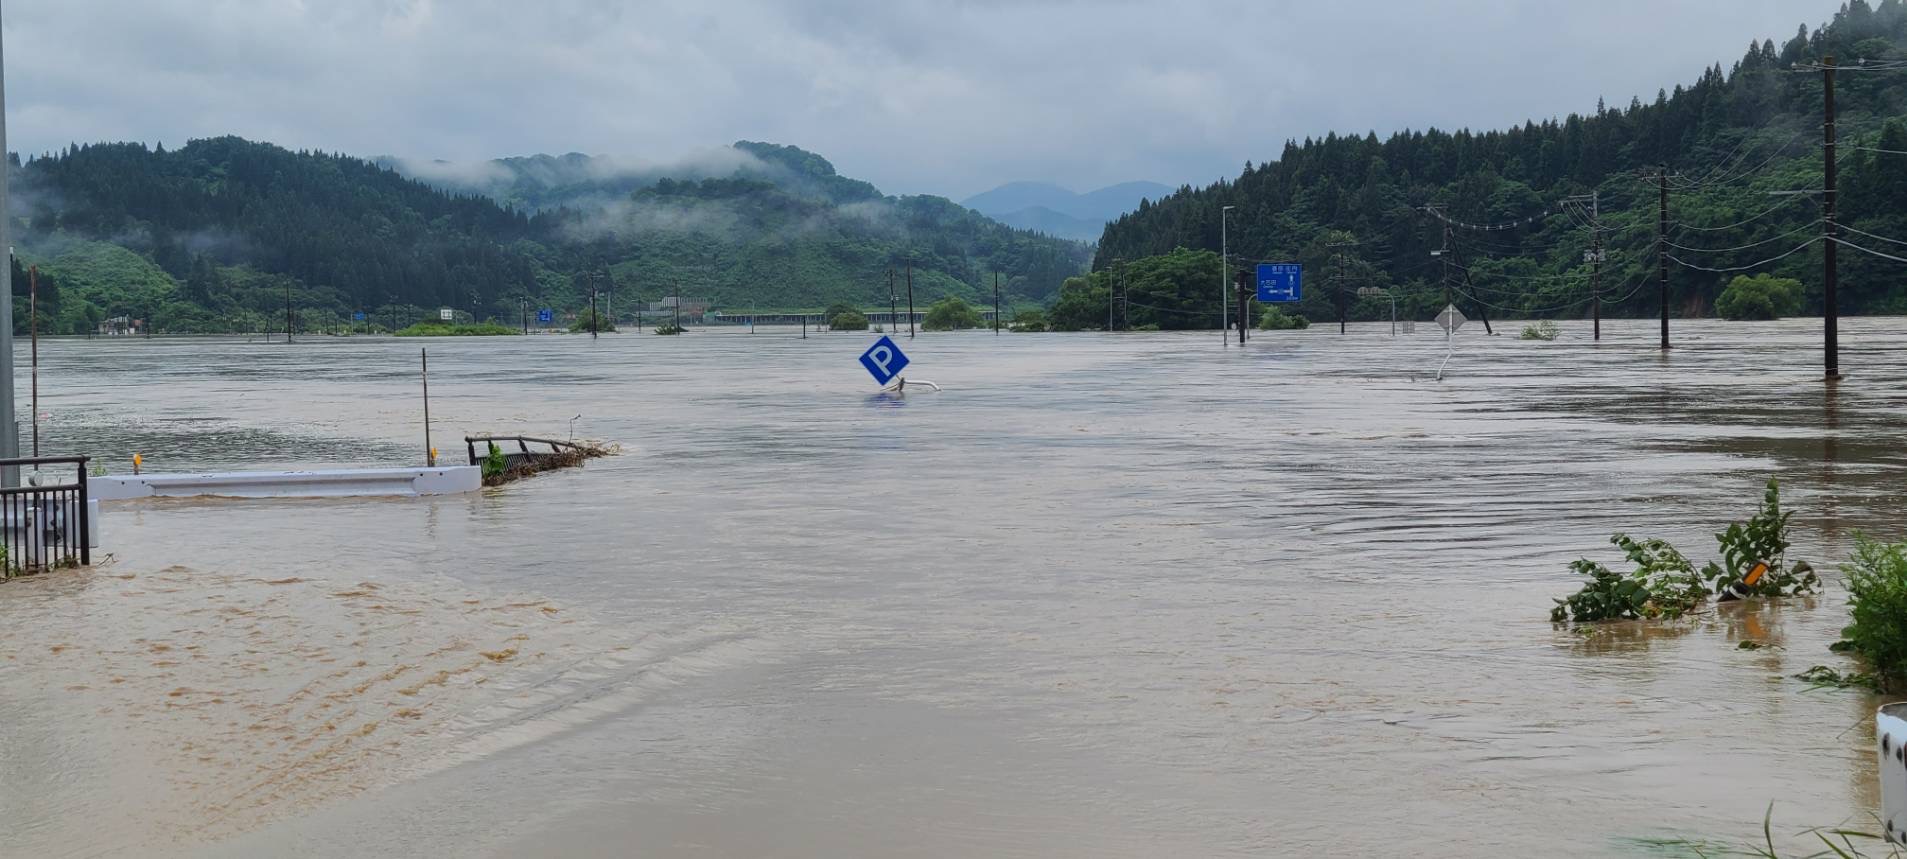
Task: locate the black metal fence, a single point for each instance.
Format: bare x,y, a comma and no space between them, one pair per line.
44,521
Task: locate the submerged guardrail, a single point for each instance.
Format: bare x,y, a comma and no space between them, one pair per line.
45,524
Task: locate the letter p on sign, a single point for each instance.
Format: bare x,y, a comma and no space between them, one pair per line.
883,360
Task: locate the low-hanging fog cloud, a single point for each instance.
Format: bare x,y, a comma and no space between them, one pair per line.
918,96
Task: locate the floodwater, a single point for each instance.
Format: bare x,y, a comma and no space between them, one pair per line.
1132,595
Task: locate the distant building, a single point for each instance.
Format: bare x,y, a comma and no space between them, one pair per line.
120,326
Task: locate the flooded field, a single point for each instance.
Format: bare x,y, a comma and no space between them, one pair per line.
1130,595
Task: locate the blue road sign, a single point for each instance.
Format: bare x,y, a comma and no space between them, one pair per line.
358,316
884,360
546,316
1280,281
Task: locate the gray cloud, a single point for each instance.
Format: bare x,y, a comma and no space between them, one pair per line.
918,96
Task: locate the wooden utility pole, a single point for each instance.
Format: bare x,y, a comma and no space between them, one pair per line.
1830,277
996,304
1662,246
1595,265
1244,286
910,299
893,299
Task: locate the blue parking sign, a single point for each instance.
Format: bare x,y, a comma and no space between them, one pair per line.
546,316
884,360
1280,281
358,316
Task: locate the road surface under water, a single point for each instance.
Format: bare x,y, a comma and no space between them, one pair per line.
1132,595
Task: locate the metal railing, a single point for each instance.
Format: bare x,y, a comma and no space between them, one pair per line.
523,443
44,522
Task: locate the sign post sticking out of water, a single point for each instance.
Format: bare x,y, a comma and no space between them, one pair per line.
1449,320
884,360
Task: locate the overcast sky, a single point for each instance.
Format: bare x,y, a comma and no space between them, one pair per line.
941,97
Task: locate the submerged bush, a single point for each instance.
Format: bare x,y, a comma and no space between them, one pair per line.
1761,539
494,462
951,314
1276,319
1877,611
1544,330
1763,296
848,320
1028,320
1663,584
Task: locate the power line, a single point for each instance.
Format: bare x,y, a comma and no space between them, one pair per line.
1488,228
1798,248
1845,243
1871,235
1765,213
1815,223
1689,185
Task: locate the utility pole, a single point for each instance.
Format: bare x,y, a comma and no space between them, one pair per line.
996,304
1444,254
1662,246
893,302
9,420
287,313
526,314
1593,256
1337,283
1112,294
1224,264
595,320
1243,284
910,299
1830,276
678,307
1595,267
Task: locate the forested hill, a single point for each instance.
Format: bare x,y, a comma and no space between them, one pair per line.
1730,140
214,236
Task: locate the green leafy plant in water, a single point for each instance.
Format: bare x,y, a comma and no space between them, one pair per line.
1827,677
494,462
1544,330
1876,579
669,329
1664,584
1763,538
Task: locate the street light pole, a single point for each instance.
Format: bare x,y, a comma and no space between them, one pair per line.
9,419
1224,262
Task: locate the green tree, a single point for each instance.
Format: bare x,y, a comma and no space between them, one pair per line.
1762,296
848,320
949,314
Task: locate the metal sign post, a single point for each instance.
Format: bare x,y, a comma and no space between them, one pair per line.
1449,320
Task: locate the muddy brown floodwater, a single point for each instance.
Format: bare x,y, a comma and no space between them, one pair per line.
1127,595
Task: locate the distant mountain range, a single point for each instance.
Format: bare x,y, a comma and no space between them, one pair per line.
1059,212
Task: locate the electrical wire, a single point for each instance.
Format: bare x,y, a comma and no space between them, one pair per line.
1869,235
1508,309
1798,248
1487,228
1817,222
1878,149
1845,243
1771,210
1691,185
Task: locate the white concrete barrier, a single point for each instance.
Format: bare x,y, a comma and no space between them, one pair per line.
1890,728
445,480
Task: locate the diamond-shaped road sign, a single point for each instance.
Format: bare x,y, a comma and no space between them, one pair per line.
883,360
1451,319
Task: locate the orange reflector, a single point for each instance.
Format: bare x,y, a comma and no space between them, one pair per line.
1754,575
